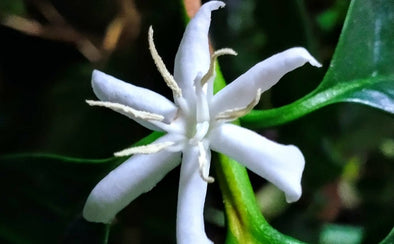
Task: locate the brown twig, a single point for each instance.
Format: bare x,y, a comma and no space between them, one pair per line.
58,29
192,7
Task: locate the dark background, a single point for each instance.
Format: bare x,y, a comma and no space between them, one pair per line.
46,60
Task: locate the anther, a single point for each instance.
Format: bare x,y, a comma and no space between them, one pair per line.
146,149
211,71
236,113
202,161
168,78
117,107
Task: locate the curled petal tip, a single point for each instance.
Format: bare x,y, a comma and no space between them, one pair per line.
306,55
215,4
314,62
290,198
293,191
97,74
193,54
96,71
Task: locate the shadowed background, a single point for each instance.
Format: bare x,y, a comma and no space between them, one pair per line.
48,50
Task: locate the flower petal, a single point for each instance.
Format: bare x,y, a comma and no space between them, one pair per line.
280,164
191,199
137,175
111,89
193,55
263,75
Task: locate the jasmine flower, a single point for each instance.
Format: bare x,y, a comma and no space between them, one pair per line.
195,123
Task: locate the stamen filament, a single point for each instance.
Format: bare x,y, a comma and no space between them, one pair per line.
146,149
117,107
202,161
168,78
215,55
232,114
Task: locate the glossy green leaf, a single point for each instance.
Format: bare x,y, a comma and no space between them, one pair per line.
389,238
360,71
341,234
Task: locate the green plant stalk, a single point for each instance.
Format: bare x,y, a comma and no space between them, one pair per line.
245,222
311,102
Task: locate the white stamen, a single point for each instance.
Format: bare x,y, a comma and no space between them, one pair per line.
211,71
202,161
146,149
168,78
232,114
117,107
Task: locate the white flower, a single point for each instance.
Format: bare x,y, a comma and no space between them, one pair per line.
196,123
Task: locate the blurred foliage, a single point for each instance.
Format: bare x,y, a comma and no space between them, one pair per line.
332,234
45,78
12,6
36,210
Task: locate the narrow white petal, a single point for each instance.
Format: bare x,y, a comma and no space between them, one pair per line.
137,175
191,199
280,164
262,76
111,89
193,55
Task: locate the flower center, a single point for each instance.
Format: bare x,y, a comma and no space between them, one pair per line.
193,122
201,131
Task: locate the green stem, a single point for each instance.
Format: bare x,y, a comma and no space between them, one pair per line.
106,234
320,97
245,222
282,115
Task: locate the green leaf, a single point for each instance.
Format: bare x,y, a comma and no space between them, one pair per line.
341,234
360,71
389,239
12,7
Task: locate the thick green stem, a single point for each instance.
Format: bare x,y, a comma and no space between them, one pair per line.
245,222
322,96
